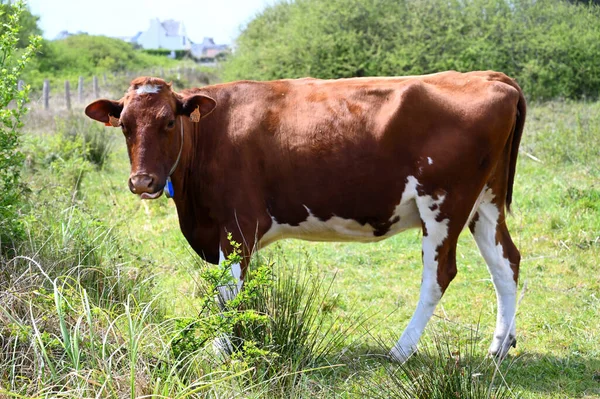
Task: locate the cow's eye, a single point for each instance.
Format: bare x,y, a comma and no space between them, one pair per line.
171,124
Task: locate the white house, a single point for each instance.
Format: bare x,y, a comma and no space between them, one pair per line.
169,35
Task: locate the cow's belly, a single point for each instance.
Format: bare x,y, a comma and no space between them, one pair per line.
341,229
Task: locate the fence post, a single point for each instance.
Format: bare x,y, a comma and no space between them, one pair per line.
80,89
46,94
95,84
20,85
68,94
104,79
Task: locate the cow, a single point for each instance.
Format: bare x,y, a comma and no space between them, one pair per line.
357,159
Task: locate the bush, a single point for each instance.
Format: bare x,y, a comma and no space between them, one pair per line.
96,143
12,109
550,46
179,54
86,55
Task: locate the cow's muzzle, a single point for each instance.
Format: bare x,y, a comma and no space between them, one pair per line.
145,185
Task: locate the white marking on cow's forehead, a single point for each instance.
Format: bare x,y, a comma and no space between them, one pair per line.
430,161
148,89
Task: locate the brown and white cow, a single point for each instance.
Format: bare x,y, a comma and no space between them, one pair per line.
337,160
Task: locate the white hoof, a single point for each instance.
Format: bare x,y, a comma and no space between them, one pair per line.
501,345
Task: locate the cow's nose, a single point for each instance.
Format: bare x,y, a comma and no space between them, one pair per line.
142,183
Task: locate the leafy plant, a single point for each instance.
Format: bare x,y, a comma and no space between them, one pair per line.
12,109
28,23
220,318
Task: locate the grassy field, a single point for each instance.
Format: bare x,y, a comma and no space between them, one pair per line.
107,284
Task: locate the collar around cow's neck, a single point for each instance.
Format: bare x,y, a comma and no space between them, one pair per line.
169,191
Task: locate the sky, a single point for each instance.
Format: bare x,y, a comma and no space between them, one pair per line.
219,19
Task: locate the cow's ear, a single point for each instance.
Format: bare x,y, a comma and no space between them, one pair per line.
197,106
105,111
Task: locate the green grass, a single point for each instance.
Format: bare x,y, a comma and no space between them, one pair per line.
119,296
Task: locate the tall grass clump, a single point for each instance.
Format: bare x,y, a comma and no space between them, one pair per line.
60,341
300,335
446,366
70,303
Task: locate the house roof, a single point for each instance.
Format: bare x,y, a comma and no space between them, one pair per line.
173,28
207,48
208,44
65,33
134,39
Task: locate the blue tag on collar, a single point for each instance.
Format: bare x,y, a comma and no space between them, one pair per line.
169,188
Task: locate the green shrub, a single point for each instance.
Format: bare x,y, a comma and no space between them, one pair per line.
179,54
87,55
84,53
76,145
12,109
96,142
550,46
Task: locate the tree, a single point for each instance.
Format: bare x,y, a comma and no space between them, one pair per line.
551,47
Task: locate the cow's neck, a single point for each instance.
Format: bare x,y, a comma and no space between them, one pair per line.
191,186
190,181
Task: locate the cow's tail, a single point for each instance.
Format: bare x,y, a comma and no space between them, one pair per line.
513,145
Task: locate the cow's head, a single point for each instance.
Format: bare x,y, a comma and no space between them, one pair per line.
150,116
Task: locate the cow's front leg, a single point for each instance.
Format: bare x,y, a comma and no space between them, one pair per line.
233,261
229,291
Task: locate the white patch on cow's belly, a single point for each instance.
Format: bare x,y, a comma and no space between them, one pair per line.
148,89
341,229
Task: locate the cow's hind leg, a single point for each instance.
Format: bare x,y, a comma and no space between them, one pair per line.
439,268
502,258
